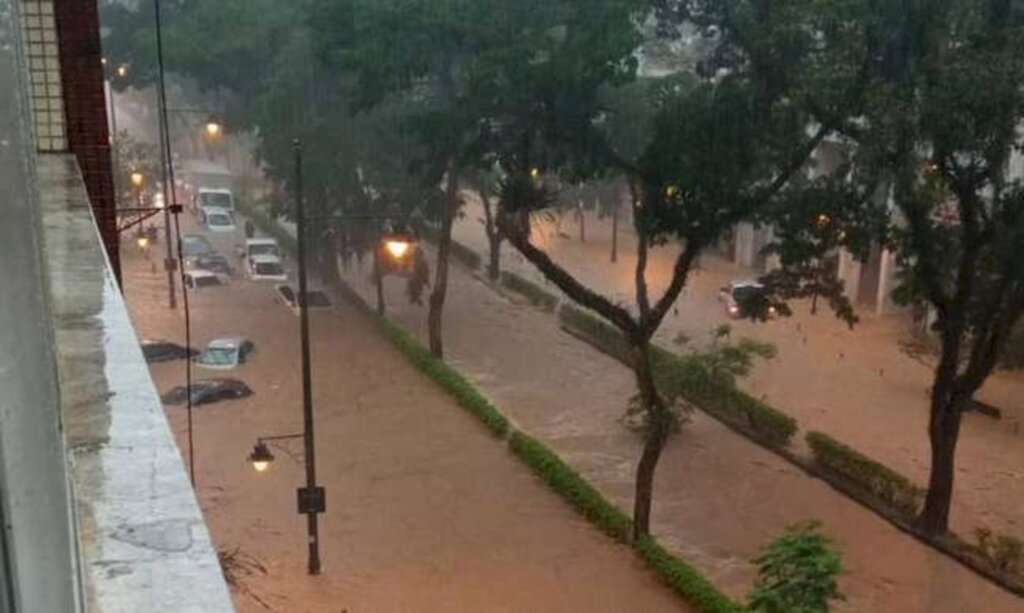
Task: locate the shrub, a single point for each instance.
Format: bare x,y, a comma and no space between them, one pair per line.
706,383
462,390
684,579
533,292
567,482
602,335
886,485
797,573
465,255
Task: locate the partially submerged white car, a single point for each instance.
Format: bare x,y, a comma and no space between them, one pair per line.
218,220
197,278
225,353
266,268
261,246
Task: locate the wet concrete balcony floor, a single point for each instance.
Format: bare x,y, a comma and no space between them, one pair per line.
143,544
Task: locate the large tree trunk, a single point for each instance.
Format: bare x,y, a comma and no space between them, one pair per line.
444,247
659,426
615,230
943,433
494,260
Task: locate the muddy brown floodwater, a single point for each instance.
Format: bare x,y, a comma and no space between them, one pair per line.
425,511
718,497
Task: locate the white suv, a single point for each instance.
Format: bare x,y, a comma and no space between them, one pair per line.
266,268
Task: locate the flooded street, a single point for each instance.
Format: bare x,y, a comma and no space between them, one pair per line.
855,385
425,510
718,497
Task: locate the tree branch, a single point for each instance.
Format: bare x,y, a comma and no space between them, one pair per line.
583,295
680,272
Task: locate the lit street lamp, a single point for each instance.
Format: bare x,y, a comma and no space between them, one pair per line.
137,178
214,128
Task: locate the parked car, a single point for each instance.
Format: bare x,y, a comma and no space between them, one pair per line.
215,263
266,268
287,296
214,197
198,278
218,220
261,246
225,353
745,299
208,391
195,246
164,351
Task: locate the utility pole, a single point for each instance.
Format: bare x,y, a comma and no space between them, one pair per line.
311,498
165,164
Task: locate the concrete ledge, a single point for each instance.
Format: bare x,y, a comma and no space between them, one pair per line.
143,543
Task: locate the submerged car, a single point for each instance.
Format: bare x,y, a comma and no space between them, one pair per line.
315,298
218,220
225,353
215,263
746,299
164,351
195,246
197,278
208,391
266,268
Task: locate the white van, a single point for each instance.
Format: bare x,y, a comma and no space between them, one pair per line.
213,197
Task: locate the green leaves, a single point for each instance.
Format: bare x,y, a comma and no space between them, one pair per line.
797,573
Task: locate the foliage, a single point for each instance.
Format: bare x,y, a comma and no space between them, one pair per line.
1004,552
533,292
797,573
447,377
887,486
568,483
685,580
705,382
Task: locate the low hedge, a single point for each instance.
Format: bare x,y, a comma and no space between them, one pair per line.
462,390
685,580
680,576
571,486
533,292
889,487
724,401
597,332
686,376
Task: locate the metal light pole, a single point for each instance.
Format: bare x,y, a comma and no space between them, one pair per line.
165,162
311,498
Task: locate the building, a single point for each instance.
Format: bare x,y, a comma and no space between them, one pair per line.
96,511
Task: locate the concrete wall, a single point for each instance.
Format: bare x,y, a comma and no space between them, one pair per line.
37,531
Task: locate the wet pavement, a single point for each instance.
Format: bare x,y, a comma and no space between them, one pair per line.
425,510
856,385
718,497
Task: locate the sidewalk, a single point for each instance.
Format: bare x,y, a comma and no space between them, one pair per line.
857,385
718,497
426,512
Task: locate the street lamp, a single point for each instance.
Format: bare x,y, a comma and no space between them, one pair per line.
143,243
398,244
213,127
137,178
122,70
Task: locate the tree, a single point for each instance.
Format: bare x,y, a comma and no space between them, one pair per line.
942,98
721,150
797,573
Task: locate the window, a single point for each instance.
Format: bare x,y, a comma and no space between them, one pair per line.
45,89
